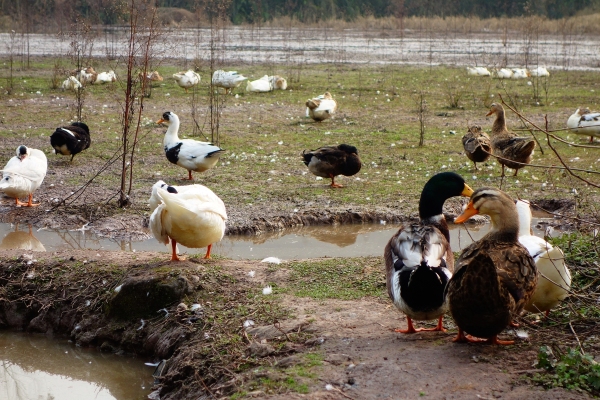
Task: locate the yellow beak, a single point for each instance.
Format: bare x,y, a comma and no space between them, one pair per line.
468,213
467,191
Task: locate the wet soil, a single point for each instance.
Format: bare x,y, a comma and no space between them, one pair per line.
192,314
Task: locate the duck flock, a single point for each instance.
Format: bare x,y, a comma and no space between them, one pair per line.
491,283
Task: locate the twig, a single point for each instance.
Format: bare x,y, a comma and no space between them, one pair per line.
576,338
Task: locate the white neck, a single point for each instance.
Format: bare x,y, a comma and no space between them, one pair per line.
524,218
171,134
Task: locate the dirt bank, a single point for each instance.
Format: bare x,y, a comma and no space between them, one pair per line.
192,314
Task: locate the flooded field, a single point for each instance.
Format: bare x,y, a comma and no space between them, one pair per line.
297,46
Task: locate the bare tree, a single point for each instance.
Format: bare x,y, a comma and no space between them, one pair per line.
421,103
81,45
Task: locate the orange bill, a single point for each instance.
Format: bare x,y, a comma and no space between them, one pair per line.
467,213
467,191
160,121
490,113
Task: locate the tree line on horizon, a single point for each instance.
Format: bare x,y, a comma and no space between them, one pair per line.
305,11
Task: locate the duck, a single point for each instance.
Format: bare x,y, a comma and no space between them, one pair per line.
87,75
418,259
153,76
494,277
24,174
190,154
277,82
259,85
513,151
192,215
478,71
504,73
187,79
321,107
554,277
540,71
331,161
520,73
105,77
71,83
585,122
477,145
227,79
21,240
71,139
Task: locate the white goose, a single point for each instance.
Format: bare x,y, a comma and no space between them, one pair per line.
504,73
190,154
187,79
585,122
105,77
554,278
191,215
540,71
259,85
23,174
227,79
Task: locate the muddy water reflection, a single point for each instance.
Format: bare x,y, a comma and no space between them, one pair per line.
298,243
34,367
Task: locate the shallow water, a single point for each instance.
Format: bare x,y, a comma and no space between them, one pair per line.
298,243
298,46
34,367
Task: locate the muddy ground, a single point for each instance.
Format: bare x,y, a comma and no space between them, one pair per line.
328,349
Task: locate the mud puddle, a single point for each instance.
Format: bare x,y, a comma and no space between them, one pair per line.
298,243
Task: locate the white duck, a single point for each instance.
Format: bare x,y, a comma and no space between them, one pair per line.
190,154
105,77
277,82
478,71
187,79
585,122
227,79
321,107
504,73
71,83
23,174
259,85
540,71
520,73
554,278
191,215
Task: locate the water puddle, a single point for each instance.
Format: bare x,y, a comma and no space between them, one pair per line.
298,243
35,367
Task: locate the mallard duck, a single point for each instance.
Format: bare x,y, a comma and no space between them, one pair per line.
418,258
277,82
321,107
259,85
554,278
227,79
21,240
539,71
504,73
478,71
187,79
23,174
477,145
190,154
191,215
585,122
71,139
331,161
514,151
493,278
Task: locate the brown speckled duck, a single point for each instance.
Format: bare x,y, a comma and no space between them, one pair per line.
515,151
418,258
495,277
331,161
477,145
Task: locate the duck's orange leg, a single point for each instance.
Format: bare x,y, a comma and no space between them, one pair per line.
494,340
410,329
189,175
207,255
333,184
29,203
174,256
462,338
